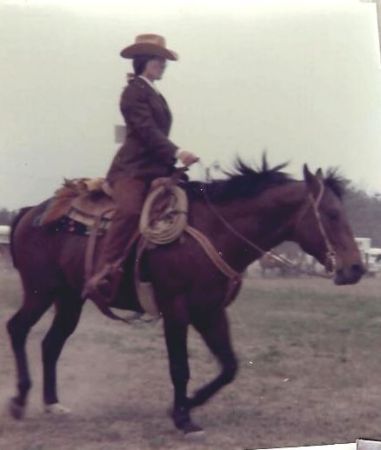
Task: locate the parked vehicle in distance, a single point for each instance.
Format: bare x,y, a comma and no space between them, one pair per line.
370,255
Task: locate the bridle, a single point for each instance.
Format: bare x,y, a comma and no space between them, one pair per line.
330,256
330,259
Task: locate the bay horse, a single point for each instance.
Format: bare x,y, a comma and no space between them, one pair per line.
263,206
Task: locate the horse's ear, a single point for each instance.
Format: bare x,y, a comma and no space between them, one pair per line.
307,174
312,181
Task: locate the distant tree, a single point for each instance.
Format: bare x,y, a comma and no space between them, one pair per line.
364,212
6,216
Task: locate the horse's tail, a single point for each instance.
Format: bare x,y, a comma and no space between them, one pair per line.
15,222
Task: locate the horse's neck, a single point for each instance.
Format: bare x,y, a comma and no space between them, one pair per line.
266,220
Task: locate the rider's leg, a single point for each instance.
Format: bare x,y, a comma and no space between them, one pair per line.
129,195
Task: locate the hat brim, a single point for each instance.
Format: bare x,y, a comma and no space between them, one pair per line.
148,49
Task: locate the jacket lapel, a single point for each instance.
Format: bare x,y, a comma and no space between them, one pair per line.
166,109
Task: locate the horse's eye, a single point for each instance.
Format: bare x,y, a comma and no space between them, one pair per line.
333,215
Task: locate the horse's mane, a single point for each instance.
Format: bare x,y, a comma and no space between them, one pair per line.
244,181
336,182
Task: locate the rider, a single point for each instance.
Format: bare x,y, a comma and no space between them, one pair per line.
146,154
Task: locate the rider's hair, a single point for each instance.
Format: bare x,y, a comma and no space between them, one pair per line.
139,63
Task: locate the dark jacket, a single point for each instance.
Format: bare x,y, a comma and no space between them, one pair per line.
146,152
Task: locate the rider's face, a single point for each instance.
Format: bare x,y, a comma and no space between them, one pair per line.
154,68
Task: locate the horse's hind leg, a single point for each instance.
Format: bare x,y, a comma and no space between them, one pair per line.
68,312
18,328
214,329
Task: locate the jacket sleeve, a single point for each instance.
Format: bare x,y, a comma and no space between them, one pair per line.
138,115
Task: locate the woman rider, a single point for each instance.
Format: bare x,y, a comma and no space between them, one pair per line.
146,154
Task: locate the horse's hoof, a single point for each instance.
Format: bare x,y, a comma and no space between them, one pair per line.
193,432
16,410
56,409
195,436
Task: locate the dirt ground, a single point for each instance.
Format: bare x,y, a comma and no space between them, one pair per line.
310,366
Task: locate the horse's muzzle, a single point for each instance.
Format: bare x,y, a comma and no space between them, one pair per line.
349,275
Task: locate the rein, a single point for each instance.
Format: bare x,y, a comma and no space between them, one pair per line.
330,253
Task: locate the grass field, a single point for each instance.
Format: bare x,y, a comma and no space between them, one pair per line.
310,373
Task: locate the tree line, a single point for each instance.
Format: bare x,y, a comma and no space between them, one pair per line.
7,216
364,213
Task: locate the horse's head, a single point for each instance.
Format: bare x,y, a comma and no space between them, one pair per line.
323,231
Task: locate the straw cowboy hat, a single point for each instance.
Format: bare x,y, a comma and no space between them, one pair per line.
149,44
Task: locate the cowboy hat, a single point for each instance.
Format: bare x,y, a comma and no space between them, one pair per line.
149,44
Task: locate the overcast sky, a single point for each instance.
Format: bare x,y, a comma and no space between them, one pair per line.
301,79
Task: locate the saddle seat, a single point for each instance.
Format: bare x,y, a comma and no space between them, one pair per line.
87,210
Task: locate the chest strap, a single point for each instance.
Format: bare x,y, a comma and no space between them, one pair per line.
213,254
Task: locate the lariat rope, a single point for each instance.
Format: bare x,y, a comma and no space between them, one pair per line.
176,217
160,235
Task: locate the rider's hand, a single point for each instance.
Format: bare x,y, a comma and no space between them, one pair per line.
187,158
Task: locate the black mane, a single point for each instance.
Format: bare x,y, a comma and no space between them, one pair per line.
242,182
245,181
337,183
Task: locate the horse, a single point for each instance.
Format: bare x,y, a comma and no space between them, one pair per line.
244,215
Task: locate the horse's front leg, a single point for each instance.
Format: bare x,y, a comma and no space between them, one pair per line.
68,311
214,330
176,330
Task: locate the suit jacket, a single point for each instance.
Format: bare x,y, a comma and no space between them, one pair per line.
146,152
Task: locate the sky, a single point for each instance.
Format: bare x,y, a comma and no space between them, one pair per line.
299,79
